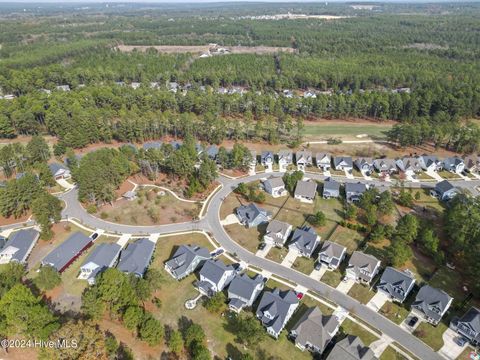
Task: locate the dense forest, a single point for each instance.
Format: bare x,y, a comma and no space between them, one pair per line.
356,64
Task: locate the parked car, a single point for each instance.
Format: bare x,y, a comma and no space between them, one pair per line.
413,320
318,265
262,246
299,296
461,341
94,236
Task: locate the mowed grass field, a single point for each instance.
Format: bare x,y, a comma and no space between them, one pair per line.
347,130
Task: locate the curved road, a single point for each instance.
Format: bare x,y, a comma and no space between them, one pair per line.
211,223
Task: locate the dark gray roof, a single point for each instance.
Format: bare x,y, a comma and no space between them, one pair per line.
360,260
472,318
244,286
363,161
251,213
444,186
472,161
351,348
213,270
152,145
286,155
452,162
384,164
432,302
55,167
184,256
136,257
303,155
358,188
275,181
395,279
212,151
277,303
410,163
331,185
22,240
266,155
66,251
306,189
102,256
333,249
347,160
305,240
315,329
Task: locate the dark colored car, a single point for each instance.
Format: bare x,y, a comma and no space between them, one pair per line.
94,236
261,246
413,320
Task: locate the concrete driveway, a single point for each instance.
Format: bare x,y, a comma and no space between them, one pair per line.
264,252
65,184
379,346
317,274
345,286
410,329
122,241
289,258
230,219
348,174
434,175
378,300
450,349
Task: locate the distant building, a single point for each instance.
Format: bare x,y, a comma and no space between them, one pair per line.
18,246
303,159
323,161
59,171
343,163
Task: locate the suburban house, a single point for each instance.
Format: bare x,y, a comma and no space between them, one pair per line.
323,161
155,145
431,304
214,277
430,163
104,256
444,190
275,187
285,158
362,267
275,309
136,258
409,165
331,254
351,348
364,165
331,189
212,152
185,260
266,159
468,325
277,233
251,215
303,159
343,163
59,171
385,166
305,191
304,241
314,331
19,246
244,290
396,284
454,164
354,191
472,163
68,251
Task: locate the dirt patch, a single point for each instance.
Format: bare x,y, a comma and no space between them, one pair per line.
126,186
14,220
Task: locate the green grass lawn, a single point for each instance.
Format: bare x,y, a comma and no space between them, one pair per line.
332,278
247,238
448,175
325,130
394,312
352,328
431,335
351,239
391,354
361,293
303,265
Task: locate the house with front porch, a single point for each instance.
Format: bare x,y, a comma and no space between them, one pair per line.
303,159
431,304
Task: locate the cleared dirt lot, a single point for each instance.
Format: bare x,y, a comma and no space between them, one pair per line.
180,49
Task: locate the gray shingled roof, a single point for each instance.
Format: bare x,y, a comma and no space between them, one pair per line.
102,256
306,189
472,318
393,278
331,185
251,213
332,249
55,167
22,240
304,156
363,161
444,186
432,302
136,257
277,227
385,164
244,286
472,161
315,329
452,162
277,303
183,258
347,160
266,155
152,145
326,157
213,270
305,240
275,182
212,151
429,159
285,155
66,251
358,188
410,163
351,348
360,260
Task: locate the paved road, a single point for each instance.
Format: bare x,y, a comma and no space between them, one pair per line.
211,223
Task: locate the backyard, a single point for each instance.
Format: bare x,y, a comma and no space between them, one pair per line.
151,207
351,239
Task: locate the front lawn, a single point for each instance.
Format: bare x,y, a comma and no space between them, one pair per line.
332,278
448,175
352,328
247,238
362,293
277,254
431,335
391,354
303,265
465,355
394,312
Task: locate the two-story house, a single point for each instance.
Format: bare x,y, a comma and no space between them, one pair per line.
244,290
362,267
331,189
468,326
267,159
323,161
285,159
343,163
364,165
354,191
251,215
430,163
275,187
444,190
431,304
304,241
385,166
277,233
214,277
303,159
186,260
396,284
331,254
305,191
454,164
409,166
